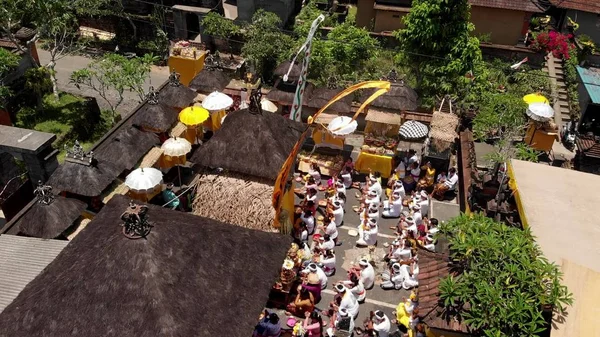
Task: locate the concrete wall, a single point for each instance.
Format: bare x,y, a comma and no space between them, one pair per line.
589,23
387,21
505,26
283,8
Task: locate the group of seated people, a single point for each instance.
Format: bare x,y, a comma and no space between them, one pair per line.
415,177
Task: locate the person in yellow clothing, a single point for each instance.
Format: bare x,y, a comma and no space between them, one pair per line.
405,309
429,177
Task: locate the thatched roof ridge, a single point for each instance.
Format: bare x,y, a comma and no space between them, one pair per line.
126,147
84,180
235,199
321,96
188,278
400,97
253,144
50,221
209,80
155,117
444,126
283,92
176,96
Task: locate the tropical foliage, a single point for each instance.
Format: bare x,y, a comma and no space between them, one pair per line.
437,43
503,281
8,62
218,26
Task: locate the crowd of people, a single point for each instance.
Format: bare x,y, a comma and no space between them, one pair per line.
405,197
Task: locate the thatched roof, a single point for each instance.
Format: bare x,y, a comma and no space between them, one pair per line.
444,126
176,96
126,147
400,97
283,68
84,180
50,221
251,144
155,117
321,96
234,199
283,92
383,117
209,80
190,277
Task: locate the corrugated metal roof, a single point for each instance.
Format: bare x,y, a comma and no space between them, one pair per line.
21,260
591,80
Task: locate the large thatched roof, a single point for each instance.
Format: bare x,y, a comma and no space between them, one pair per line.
283,92
126,147
283,68
50,221
176,96
400,97
321,96
155,117
209,80
234,199
251,144
190,277
84,180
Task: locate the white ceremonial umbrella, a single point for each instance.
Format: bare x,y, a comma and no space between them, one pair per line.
540,112
342,125
413,130
176,147
217,101
267,105
144,180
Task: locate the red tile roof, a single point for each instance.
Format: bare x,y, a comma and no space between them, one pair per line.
515,5
592,6
432,268
7,44
588,146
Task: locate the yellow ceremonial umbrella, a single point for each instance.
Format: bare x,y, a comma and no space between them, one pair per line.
535,98
193,116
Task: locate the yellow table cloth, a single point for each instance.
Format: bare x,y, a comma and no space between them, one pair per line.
321,136
381,164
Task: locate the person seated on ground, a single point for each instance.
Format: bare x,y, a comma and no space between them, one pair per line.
410,273
372,198
310,206
325,243
405,309
314,268
441,177
392,208
301,233
268,326
365,272
409,181
392,278
347,177
313,324
408,226
371,212
170,197
367,233
428,242
381,324
448,184
400,170
327,259
335,210
330,228
340,188
314,172
356,286
424,203
311,195
411,157
372,183
340,321
429,177
348,300
309,220
304,302
432,227
308,184
402,252
416,213
348,165
342,199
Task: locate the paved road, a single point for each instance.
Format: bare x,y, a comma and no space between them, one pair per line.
68,64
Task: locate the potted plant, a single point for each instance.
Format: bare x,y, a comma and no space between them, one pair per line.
220,29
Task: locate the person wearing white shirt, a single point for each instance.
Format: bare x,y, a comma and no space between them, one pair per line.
356,286
392,208
340,188
343,322
330,229
372,198
367,273
372,212
424,203
401,170
327,259
313,268
399,188
412,157
410,274
417,216
368,233
381,324
376,186
338,213
448,184
309,220
348,302
403,253
325,243
393,278
411,226
347,178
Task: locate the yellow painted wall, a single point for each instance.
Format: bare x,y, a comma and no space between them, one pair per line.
388,20
504,25
186,67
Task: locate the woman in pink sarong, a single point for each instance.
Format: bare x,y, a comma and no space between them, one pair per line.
312,283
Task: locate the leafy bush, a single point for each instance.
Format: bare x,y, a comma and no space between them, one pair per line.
498,113
8,62
503,277
218,26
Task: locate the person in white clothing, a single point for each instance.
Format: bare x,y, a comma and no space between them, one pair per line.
375,185
340,188
412,157
401,170
366,273
410,227
424,203
401,252
315,172
410,274
341,322
392,279
372,198
347,178
325,243
348,300
392,208
309,220
313,268
372,212
368,233
381,324
399,188
416,214
447,184
337,212
330,228
327,259
356,286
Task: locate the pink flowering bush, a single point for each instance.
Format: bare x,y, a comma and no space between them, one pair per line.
557,43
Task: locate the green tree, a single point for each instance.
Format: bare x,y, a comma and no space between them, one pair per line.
437,43
266,45
113,75
8,62
504,282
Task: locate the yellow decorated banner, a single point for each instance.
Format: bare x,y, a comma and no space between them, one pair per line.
279,188
512,184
